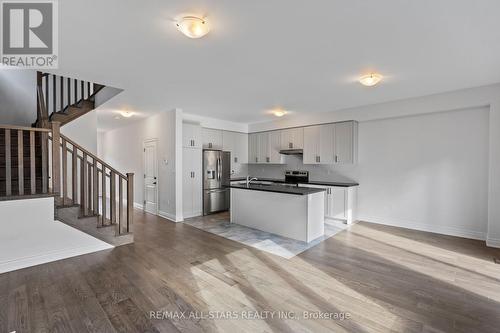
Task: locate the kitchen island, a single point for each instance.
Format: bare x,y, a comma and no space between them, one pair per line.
288,211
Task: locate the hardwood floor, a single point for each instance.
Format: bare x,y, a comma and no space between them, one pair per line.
386,279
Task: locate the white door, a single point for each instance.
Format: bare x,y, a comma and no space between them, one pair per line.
150,177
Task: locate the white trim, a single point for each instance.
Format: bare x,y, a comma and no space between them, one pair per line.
169,216
493,242
443,230
138,206
43,258
188,216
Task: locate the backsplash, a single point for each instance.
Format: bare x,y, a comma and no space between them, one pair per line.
334,173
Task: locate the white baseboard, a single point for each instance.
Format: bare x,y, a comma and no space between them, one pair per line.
188,216
138,206
443,230
169,216
493,242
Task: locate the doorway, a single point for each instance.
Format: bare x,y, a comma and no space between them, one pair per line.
151,176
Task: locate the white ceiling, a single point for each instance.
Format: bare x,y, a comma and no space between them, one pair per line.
304,56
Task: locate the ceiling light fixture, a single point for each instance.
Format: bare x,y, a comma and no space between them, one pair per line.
371,79
279,113
126,114
193,27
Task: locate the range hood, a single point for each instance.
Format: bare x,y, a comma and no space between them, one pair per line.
292,151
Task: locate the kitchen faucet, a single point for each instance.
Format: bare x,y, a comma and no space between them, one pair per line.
249,180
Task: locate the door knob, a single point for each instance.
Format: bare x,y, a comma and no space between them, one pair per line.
154,183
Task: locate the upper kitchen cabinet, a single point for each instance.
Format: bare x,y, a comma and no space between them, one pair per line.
237,144
264,148
274,147
191,135
292,138
253,148
319,144
346,142
212,138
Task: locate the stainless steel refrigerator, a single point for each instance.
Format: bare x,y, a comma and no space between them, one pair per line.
216,175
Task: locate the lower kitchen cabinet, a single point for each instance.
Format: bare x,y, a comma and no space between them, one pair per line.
192,187
340,202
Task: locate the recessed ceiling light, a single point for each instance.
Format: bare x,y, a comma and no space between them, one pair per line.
193,27
279,112
371,79
126,114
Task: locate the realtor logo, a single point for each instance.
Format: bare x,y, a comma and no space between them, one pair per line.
29,33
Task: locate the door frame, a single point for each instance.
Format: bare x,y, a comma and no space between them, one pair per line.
144,143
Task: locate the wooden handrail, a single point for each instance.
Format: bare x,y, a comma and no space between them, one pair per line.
21,128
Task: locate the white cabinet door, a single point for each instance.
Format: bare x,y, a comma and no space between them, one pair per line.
326,144
212,138
346,142
192,190
197,182
253,148
241,148
274,142
292,138
338,203
191,135
228,141
187,181
312,145
263,148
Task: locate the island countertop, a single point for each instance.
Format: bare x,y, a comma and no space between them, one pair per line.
278,189
310,182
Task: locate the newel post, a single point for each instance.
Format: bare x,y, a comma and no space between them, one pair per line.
56,159
130,200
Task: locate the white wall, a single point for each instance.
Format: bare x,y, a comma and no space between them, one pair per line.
17,97
83,131
123,149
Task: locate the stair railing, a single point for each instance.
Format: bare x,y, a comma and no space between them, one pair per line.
32,178
87,181
58,93
39,161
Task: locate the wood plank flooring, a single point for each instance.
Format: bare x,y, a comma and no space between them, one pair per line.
386,279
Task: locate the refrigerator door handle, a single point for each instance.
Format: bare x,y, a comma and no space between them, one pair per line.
219,167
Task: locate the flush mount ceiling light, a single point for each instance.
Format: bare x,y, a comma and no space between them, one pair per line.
126,114
279,112
193,27
371,79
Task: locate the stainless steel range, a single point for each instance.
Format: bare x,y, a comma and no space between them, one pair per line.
295,177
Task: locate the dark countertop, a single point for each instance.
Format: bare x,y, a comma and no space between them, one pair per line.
279,189
311,182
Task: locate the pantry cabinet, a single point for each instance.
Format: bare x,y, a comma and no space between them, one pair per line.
192,187
191,135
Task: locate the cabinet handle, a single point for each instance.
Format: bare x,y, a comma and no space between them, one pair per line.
268,159
290,145
336,158
236,160
256,160
210,145
193,143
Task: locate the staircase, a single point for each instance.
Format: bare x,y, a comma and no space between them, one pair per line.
38,161
66,99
